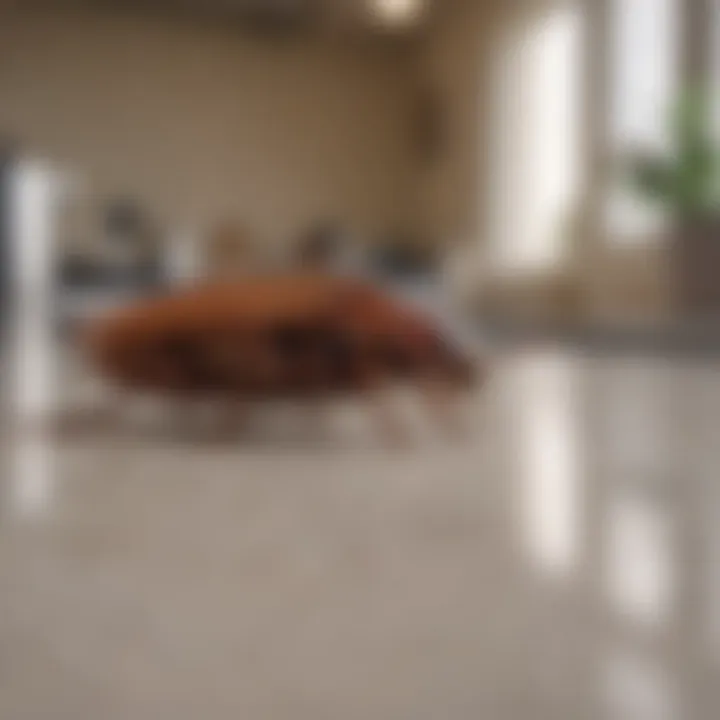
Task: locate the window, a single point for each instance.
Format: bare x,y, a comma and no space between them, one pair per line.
536,165
644,57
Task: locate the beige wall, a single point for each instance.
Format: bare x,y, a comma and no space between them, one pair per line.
457,59
450,191
201,122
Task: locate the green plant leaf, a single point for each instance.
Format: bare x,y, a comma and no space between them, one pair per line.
687,181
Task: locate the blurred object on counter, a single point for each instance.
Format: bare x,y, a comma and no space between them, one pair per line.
328,245
404,256
132,241
232,250
108,255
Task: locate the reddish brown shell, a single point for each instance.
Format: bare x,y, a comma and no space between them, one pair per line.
271,336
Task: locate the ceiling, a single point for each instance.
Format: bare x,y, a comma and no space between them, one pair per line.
280,16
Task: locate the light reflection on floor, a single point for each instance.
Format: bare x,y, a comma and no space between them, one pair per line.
148,579
550,458
636,688
33,469
639,569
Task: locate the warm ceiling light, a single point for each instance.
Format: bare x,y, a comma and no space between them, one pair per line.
398,12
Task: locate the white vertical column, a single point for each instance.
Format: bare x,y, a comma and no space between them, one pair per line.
33,200
34,194
537,164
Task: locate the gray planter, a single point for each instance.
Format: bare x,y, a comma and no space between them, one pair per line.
697,266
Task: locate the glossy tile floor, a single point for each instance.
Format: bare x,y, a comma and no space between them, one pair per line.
562,565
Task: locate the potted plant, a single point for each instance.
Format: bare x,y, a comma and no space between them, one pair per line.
686,183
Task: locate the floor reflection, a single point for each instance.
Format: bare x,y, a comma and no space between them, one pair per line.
602,472
638,560
636,415
549,453
637,688
33,467
628,465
